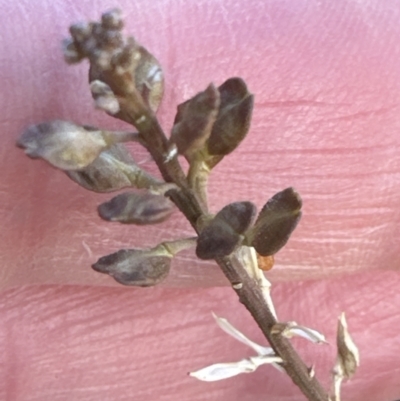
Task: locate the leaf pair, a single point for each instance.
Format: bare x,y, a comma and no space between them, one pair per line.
230,227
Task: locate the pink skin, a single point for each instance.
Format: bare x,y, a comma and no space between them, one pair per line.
326,78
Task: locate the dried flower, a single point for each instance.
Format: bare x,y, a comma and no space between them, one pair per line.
137,208
220,371
224,233
348,357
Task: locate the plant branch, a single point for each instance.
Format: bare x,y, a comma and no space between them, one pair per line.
246,288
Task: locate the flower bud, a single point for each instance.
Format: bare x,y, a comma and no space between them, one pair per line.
104,97
194,121
112,19
233,120
138,267
113,170
275,223
224,233
71,53
136,208
63,144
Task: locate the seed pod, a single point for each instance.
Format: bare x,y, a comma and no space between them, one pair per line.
275,223
136,267
224,233
233,120
194,120
63,144
136,208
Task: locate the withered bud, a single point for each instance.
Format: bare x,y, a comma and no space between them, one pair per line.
348,358
224,233
275,223
63,144
113,170
233,120
136,208
194,121
104,97
138,267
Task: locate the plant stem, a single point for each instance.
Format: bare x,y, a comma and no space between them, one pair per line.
248,292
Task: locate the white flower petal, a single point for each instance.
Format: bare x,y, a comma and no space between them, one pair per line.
222,371
291,329
265,359
239,336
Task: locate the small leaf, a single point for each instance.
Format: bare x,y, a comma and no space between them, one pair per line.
224,233
233,120
276,221
136,208
136,267
194,121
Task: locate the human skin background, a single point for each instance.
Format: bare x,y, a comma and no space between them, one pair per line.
326,121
